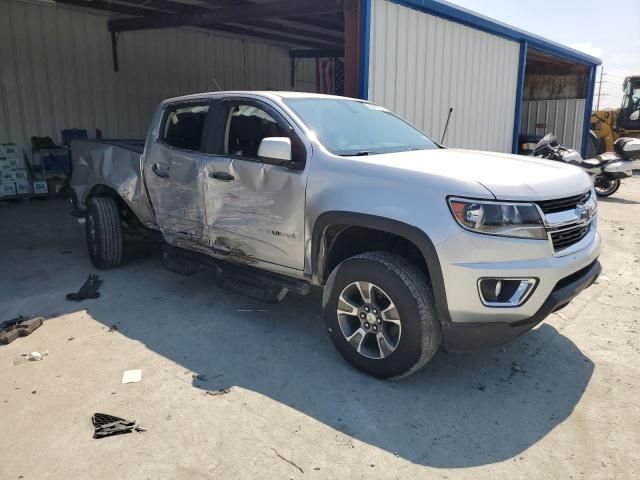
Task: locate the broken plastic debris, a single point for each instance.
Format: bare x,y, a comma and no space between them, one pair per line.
215,393
31,357
108,425
132,376
88,290
36,356
18,327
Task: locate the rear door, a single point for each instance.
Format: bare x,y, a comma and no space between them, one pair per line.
172,169
254,207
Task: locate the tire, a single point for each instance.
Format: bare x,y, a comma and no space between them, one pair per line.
415,338
104,232
607,190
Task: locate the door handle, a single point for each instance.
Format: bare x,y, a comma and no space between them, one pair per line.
222,176
155,168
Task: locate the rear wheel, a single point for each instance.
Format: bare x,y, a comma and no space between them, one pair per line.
104,232
604,187
379,310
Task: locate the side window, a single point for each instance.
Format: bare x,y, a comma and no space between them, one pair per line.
246,126
184,124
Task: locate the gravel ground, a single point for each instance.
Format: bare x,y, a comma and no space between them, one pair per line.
560,402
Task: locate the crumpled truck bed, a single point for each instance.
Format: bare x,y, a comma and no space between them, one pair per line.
115,164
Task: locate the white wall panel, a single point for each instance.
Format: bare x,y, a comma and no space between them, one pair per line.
421,65
56,71
563,118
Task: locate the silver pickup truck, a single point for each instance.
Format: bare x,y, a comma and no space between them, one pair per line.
415,245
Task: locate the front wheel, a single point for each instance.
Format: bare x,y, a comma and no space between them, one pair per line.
604,187
379,310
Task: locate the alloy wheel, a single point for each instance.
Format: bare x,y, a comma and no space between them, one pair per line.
369,320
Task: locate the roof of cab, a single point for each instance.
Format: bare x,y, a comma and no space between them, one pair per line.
271,94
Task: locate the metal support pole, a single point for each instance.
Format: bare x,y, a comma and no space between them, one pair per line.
114,50
517,121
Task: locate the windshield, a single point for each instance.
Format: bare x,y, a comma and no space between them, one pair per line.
350,127
629,116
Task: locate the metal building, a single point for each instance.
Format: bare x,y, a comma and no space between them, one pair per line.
96,64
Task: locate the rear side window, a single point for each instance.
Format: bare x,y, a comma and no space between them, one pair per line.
184,124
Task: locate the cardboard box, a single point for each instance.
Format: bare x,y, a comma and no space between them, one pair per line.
40,187
23,186
15,163
20,174
8,150
7,189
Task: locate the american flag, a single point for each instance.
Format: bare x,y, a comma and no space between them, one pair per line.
330,76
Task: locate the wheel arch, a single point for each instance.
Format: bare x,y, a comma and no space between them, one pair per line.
102,190
329,226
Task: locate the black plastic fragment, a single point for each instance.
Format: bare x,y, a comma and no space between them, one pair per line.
108,425
88,290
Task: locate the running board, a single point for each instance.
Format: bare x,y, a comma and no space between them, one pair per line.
264,286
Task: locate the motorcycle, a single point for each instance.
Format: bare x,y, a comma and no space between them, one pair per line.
606,170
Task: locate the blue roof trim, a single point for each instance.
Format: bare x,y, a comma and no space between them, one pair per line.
472,19
365,46
588,108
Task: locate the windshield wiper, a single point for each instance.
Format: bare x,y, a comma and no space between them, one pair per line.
362,153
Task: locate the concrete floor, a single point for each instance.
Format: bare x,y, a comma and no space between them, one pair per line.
569,409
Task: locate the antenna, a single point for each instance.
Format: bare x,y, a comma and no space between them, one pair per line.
217,84
446,126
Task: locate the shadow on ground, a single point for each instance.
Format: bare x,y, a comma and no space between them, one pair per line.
623,201
459,411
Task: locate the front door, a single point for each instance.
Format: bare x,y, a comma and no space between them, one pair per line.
172,168
254,208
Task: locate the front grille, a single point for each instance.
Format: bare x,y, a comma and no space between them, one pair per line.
569,236
562,204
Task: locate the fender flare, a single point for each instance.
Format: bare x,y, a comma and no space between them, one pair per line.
413,234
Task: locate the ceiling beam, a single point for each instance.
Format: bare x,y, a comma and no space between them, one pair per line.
166,6
239,13
320,22
317,53
223,3
107,6
277,37
287,29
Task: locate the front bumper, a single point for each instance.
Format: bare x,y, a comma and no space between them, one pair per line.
462,337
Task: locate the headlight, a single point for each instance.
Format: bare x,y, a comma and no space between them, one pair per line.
507,219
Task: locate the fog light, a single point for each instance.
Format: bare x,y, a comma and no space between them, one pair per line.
505,292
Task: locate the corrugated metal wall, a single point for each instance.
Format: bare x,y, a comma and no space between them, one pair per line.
421,65
56,71
564,118
305,78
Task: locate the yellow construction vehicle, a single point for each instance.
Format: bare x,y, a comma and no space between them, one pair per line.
609,125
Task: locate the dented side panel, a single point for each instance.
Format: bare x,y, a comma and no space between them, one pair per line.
259,215
113,164
172,179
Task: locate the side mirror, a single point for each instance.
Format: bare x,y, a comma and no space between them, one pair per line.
275,148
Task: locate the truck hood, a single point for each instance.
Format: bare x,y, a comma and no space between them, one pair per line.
507,177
